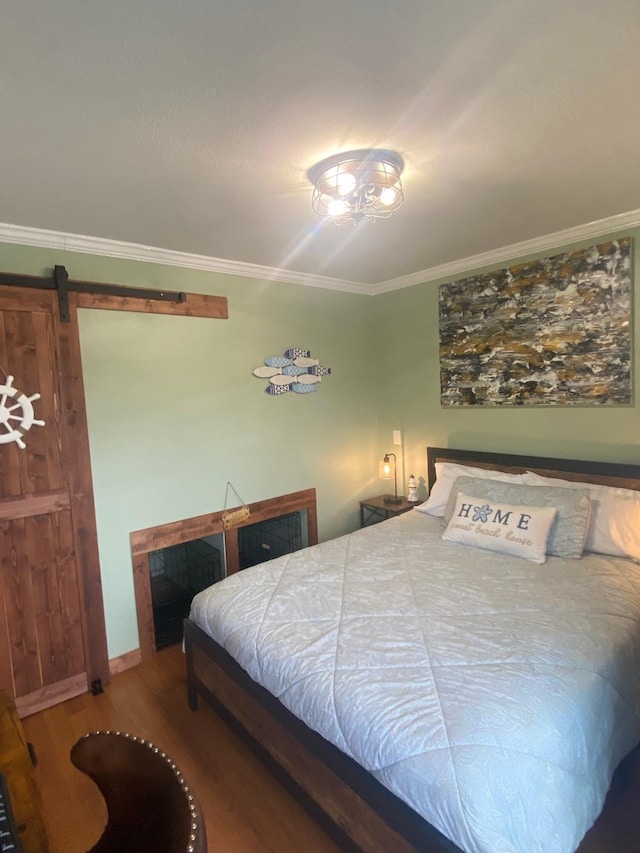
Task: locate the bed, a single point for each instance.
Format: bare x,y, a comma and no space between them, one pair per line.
509,673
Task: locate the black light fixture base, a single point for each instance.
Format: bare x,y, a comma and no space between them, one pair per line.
390,499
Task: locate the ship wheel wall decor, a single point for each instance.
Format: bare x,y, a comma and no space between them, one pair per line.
16,413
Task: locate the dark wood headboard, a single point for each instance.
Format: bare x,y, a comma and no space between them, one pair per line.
603,473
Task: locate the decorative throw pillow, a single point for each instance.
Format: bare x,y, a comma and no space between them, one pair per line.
569,529
614,526
446,475
506,528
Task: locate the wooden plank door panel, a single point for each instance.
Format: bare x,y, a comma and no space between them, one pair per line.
17,600
49,571
74,437
56,595
27,353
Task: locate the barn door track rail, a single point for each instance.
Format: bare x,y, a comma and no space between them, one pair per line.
120,297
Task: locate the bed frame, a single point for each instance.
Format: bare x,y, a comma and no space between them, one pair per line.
354,808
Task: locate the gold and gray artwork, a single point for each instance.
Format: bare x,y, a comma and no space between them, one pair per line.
553,332
295,371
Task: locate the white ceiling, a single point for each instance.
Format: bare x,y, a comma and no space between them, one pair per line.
190,125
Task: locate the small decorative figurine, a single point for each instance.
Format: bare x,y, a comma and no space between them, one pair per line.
412,497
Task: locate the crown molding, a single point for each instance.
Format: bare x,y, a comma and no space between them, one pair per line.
24,236
496,257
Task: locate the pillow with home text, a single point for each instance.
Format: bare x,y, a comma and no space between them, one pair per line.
521,531
569,528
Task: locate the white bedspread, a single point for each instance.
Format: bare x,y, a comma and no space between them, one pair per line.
493,695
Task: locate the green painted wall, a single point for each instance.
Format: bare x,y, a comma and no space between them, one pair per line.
405,324
174,411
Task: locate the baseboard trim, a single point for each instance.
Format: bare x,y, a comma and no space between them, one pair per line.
50,695
125,661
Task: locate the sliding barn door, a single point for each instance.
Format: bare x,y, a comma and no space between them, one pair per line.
52,630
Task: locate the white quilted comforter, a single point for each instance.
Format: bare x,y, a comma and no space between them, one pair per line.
493,695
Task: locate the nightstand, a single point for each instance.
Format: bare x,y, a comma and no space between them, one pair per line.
373,510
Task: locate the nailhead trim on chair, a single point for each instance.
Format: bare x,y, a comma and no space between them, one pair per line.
192,806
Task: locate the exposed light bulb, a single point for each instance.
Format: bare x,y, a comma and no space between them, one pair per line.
337,207
386,469
345,183
388,196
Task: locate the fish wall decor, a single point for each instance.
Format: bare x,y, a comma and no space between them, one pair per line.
294,370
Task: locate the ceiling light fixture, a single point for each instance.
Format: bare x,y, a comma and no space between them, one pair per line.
357,185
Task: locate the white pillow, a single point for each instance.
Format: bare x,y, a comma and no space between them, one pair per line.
614,525
506,528
446,475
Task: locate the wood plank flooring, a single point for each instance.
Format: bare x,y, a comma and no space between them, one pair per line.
246,810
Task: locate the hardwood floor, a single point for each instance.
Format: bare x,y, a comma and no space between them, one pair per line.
246,810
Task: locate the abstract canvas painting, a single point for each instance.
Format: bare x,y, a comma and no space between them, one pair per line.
551,332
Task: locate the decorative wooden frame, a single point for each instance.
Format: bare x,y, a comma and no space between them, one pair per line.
354,808
174,533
